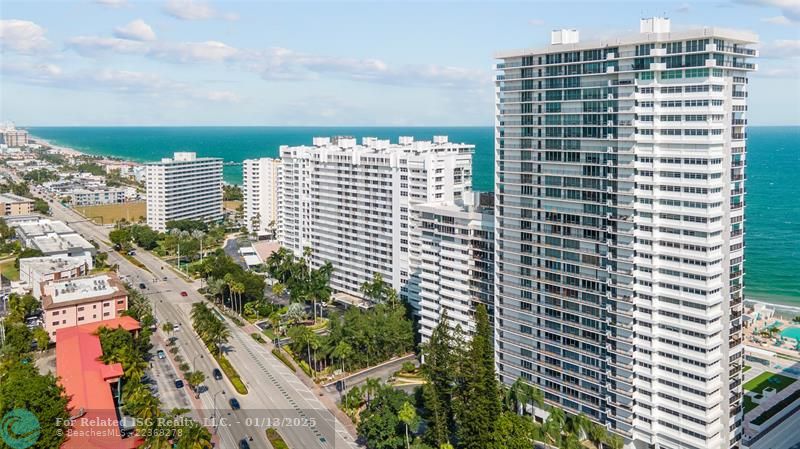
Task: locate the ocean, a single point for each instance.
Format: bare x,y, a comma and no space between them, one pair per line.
773,185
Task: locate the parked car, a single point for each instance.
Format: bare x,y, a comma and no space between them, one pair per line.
142,286
184,294
176,327
217,374
243,444
178,383
161,354
234,404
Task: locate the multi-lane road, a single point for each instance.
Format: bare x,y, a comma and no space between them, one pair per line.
276,398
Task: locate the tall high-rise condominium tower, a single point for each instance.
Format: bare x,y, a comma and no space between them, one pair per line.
185,187
349,203
261,178
620,225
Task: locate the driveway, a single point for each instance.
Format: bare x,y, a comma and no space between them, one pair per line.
231,248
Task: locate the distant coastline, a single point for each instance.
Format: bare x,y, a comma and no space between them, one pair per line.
773,254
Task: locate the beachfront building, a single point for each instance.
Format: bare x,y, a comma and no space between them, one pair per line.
96,196
34,271
11,204
350,203
13,137
261,178
53,238
76,301
184,187
451,259
620,225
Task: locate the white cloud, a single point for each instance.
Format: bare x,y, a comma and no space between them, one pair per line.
789,8
209,51
22,36
110,80
136,30
112,3
96,45
782,48
777,20
195,10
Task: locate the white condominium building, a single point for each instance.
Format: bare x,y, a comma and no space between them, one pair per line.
261,178
350,203
619,229
451,258
184,187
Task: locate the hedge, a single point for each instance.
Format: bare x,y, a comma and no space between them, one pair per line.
282,357
233,376
257,337
275,439
785,402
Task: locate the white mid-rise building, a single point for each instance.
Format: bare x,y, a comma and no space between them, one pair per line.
619,229
451,259
350,203
261,178
185,187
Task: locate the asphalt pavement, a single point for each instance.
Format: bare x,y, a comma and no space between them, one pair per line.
276,397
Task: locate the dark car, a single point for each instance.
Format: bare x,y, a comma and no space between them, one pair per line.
178,383
142,286
234,404
217,374
243,444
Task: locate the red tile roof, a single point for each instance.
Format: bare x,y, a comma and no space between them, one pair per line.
87,380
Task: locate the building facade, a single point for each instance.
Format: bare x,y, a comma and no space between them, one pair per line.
350,203
84,300
92,197
451,259
14,138
11,204
185,187
261,178
619,229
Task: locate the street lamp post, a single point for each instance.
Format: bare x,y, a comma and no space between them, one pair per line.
194,368
214,398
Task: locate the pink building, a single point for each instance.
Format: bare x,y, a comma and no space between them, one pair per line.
84,300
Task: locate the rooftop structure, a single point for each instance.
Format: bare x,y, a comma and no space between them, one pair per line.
77,301
35,270
92,386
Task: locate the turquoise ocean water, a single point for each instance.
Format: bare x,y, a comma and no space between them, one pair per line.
773,170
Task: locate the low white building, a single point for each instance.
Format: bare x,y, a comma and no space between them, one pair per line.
53,238
185,187
33,271
452,261
95,196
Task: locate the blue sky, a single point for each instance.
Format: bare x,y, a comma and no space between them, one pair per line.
191,62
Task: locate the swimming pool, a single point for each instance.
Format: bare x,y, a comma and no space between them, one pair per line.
791,332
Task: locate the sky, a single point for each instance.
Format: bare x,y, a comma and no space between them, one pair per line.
377,63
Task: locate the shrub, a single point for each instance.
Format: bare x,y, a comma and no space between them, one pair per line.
179,358
275,439
282,357
233,376
173,350
408,367
185,367
257,337
306,369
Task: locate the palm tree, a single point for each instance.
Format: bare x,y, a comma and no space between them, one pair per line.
167,328
342,351
193,436
555,424
579,425
596,433
302,336
408,415
229,281
195,378
615,442
318,288
371,386
158,433
238,288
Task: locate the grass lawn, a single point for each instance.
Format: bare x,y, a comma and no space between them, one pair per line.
749,404
9,271
767,379
231,205
109,213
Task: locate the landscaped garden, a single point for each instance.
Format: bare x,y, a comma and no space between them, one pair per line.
766,380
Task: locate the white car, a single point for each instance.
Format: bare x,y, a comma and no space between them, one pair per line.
176,328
